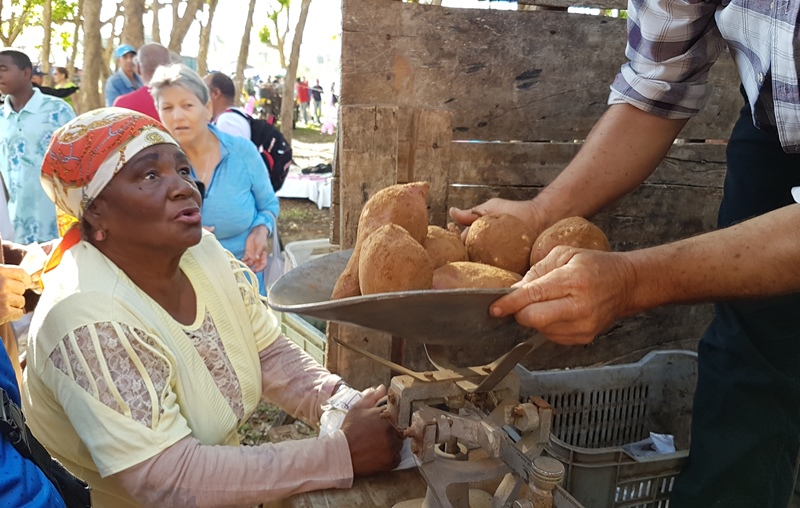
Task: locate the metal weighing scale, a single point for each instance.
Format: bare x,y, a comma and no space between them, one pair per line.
468,425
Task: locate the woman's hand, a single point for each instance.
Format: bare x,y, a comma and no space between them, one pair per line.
13,283
256,249
572,295
373,441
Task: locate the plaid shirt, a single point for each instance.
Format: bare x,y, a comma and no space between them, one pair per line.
672,44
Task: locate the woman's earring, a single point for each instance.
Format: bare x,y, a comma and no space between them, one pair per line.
99,235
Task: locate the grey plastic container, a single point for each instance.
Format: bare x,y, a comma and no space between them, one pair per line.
598,410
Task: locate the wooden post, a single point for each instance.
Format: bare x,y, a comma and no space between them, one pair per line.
429,159
367,163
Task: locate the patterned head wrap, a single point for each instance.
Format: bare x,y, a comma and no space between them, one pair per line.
86,153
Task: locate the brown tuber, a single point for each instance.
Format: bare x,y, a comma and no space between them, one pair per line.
500,240
444,246
404,205
464,274
572,232
391,260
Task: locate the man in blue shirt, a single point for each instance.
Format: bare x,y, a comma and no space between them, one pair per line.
27,123
125,80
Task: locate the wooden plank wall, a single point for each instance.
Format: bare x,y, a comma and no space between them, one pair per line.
518,91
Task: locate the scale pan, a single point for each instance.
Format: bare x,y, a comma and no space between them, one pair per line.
450,317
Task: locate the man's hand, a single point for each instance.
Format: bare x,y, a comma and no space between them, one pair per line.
524,210
374,442
572,295
256,249
13,283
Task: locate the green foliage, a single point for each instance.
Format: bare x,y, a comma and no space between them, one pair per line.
275,9
264,35
65,40
64,10
18,8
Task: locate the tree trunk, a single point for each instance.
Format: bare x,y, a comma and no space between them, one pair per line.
281,39
47,26
74,51
244,51
205,39
287,104
156,29
181,24
133,29
92,56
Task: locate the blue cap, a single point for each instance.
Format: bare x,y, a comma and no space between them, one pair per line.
124,50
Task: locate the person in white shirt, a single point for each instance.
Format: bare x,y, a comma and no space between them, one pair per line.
223,93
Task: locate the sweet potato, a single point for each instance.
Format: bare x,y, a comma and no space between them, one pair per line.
572,232
500,240
444,246
391,260
465,274
404,205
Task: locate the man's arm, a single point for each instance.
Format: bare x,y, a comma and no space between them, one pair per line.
61,93
573,295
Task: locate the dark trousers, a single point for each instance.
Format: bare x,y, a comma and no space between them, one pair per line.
746,414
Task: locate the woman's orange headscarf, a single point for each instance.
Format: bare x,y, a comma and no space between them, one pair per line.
86,153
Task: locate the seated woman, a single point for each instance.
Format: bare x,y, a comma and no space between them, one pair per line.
151,344
239,204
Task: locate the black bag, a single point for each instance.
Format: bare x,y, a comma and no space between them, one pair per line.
272,146
75,492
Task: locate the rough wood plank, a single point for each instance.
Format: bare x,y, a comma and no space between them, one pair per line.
368,162
378,491
505,75
597,4
368,155
537,164
335,225
630,339
651,215
429,159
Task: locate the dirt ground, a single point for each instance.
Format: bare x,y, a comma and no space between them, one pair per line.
300,219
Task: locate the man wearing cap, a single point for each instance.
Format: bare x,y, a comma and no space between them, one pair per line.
150,57
125,80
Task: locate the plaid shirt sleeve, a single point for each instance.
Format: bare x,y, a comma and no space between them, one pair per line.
672,44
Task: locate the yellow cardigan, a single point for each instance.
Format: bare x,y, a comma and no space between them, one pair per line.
96,439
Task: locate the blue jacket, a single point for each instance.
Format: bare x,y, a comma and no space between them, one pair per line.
22,483
119,84
240,195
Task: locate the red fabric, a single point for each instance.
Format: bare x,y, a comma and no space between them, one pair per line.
140,101
302,92
79,149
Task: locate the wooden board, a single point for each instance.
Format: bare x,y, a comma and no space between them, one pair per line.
537,164
381,491
564,4
367,158
429,159
505,75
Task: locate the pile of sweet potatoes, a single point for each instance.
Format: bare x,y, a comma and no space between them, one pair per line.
396,249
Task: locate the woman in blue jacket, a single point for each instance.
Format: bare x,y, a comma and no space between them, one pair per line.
239,205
